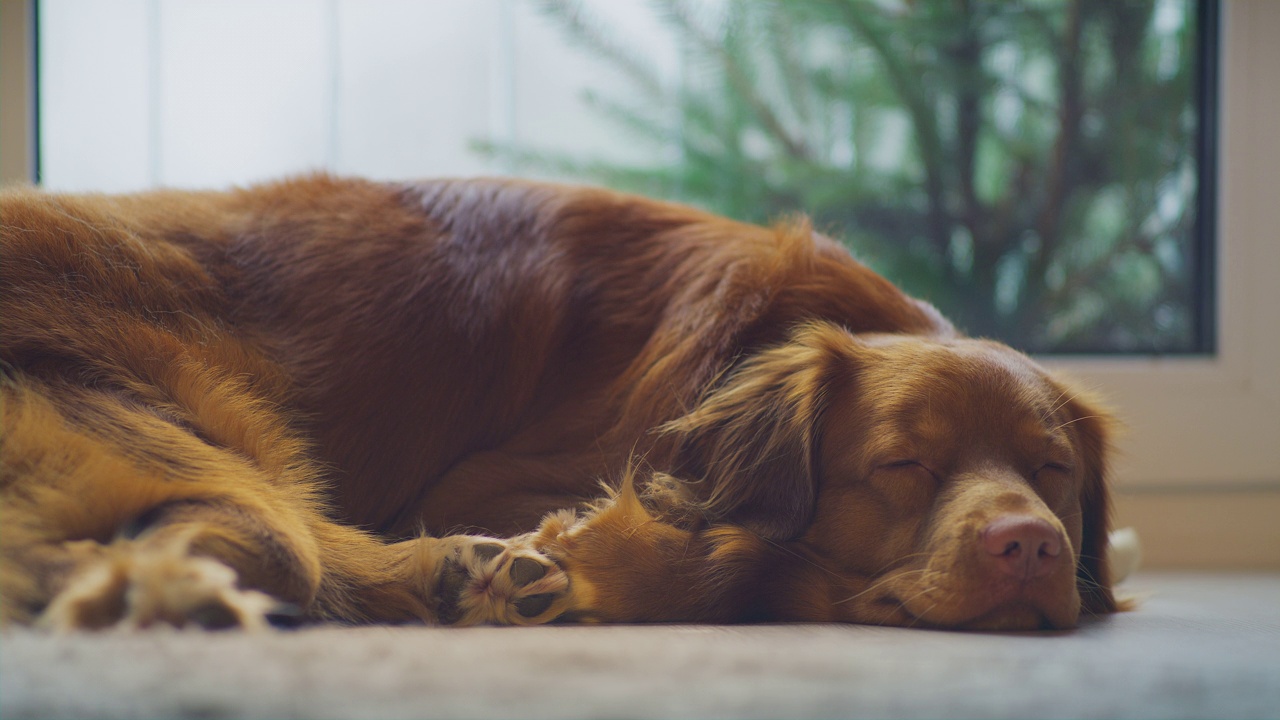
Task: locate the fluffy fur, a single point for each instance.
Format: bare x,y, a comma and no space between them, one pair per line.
396,402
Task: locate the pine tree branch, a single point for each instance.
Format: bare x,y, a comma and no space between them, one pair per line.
967,57
1070,112
906,80
738,80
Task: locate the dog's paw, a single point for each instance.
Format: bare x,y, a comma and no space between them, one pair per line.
488,581
134,587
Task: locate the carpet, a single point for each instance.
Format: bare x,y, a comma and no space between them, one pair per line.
1201,646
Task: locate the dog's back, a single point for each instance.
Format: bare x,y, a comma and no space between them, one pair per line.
445,344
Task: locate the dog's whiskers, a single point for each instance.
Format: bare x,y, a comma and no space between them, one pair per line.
1075,420
880,583
793,553
1060,402
918,617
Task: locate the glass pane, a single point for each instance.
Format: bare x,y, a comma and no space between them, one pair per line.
1033,168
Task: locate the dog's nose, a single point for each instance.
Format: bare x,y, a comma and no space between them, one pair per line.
1023,546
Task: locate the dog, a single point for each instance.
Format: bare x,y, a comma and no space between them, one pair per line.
508,402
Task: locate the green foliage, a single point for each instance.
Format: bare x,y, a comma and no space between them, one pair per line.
1027,166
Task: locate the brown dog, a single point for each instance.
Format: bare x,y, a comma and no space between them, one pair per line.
315,392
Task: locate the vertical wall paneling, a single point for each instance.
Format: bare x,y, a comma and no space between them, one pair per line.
244,90
208,93
94,94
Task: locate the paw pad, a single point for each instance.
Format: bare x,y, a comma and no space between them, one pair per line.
487,550
525,570
499,582
534,605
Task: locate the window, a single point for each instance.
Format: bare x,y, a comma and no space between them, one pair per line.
1033,168
137,93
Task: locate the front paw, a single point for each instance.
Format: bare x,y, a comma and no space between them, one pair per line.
138,587
481,580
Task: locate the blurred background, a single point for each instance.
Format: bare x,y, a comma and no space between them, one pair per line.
1031,167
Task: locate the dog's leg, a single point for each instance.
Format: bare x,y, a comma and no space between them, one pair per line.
159,579
468,580
196,562
114,515
119,518
187,562
216,566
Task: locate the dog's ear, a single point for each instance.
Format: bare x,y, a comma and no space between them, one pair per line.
749,445
1092,426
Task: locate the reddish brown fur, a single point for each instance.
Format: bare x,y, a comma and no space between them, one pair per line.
268,370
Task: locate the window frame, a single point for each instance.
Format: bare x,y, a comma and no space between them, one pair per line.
1213,422
18,122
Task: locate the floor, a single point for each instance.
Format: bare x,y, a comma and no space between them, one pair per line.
1201,646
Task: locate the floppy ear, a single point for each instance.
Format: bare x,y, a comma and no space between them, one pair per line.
751,442
1092,426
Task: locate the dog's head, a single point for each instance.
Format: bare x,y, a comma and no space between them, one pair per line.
905,480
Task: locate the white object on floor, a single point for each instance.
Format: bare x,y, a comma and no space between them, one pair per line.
1124,553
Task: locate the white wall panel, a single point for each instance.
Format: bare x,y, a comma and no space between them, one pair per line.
414,86
94,95
244,89
551,75
206,93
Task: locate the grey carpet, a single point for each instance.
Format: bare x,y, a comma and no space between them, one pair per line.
1202,645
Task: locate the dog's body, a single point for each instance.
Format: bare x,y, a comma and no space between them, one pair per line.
297,380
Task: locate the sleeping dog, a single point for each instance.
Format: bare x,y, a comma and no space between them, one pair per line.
483,401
